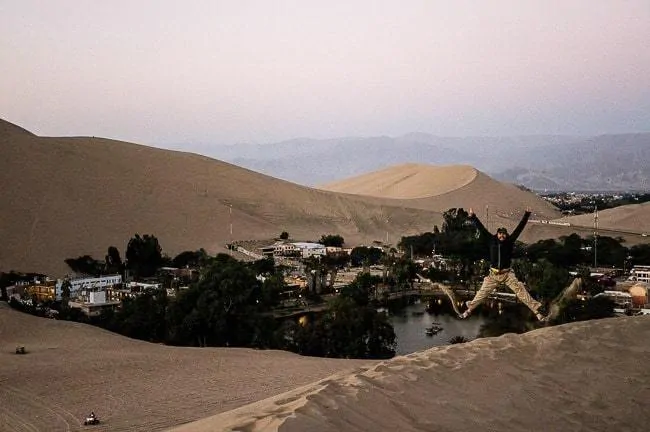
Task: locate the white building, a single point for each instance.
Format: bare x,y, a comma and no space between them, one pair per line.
311,249
77,286
285,249
640,273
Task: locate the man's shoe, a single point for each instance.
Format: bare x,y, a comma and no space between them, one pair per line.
541,313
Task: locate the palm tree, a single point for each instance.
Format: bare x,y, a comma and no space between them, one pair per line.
458,340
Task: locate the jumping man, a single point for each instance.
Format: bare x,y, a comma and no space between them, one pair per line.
501,245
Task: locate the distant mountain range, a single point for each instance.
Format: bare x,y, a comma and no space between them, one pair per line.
553,163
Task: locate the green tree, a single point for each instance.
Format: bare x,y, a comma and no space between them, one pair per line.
86,265
113,261
593,308
543,278
224,308
190,259
640,254
65,293
333,240
361,289
361,255
143,255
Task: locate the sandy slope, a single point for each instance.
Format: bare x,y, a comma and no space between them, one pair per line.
583,376
633,217
65,197
407,181
439,188
71,369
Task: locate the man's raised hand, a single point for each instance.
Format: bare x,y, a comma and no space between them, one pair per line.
470,212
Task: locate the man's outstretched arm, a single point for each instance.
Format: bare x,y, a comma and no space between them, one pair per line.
521,225
472,217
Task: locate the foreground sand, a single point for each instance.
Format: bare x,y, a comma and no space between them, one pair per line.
72,368
590,376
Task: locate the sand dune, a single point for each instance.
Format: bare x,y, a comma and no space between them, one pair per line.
72,368
581,376
633,217
65,197
407,181
428,187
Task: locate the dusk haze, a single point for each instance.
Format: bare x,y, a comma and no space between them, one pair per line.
213,72
324,216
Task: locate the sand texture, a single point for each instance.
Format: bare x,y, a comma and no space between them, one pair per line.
67,197
71,369
633,217
588,376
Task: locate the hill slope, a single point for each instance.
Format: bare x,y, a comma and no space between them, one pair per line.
435,188
580,376
66,197
71,369
633,217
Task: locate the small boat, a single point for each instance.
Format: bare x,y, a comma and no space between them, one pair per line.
433,330
417,313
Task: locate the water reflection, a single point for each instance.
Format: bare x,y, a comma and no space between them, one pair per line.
411,322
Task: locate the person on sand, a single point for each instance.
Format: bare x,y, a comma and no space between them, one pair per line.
501,245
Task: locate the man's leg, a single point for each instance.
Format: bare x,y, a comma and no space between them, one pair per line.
487,288
522,293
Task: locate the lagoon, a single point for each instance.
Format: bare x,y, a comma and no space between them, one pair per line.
411,321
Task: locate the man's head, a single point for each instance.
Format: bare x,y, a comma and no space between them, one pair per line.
502,234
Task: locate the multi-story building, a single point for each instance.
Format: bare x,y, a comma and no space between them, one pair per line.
640,273
311,249
82,286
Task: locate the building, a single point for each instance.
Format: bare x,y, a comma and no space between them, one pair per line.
95,308
640,273
80,286
620,299
310,249
41,291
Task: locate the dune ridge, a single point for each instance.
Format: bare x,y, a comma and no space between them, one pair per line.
579,376
406,181
67,197
72,368
71,196
439,188
632,217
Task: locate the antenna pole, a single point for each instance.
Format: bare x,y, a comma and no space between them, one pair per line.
595,235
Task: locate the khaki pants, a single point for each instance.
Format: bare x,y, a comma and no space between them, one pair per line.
492,281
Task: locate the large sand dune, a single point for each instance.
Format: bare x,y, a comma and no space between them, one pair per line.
438,188
587,376
407,181
66,197
71,369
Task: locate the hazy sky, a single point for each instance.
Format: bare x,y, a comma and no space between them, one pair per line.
162,72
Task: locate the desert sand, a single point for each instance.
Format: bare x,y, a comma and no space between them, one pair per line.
589,376
406,181
71,369
633,217
67,197
582,376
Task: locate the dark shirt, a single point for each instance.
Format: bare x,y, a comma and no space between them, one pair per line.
500,251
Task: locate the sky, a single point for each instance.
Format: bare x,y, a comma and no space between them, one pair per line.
220,73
